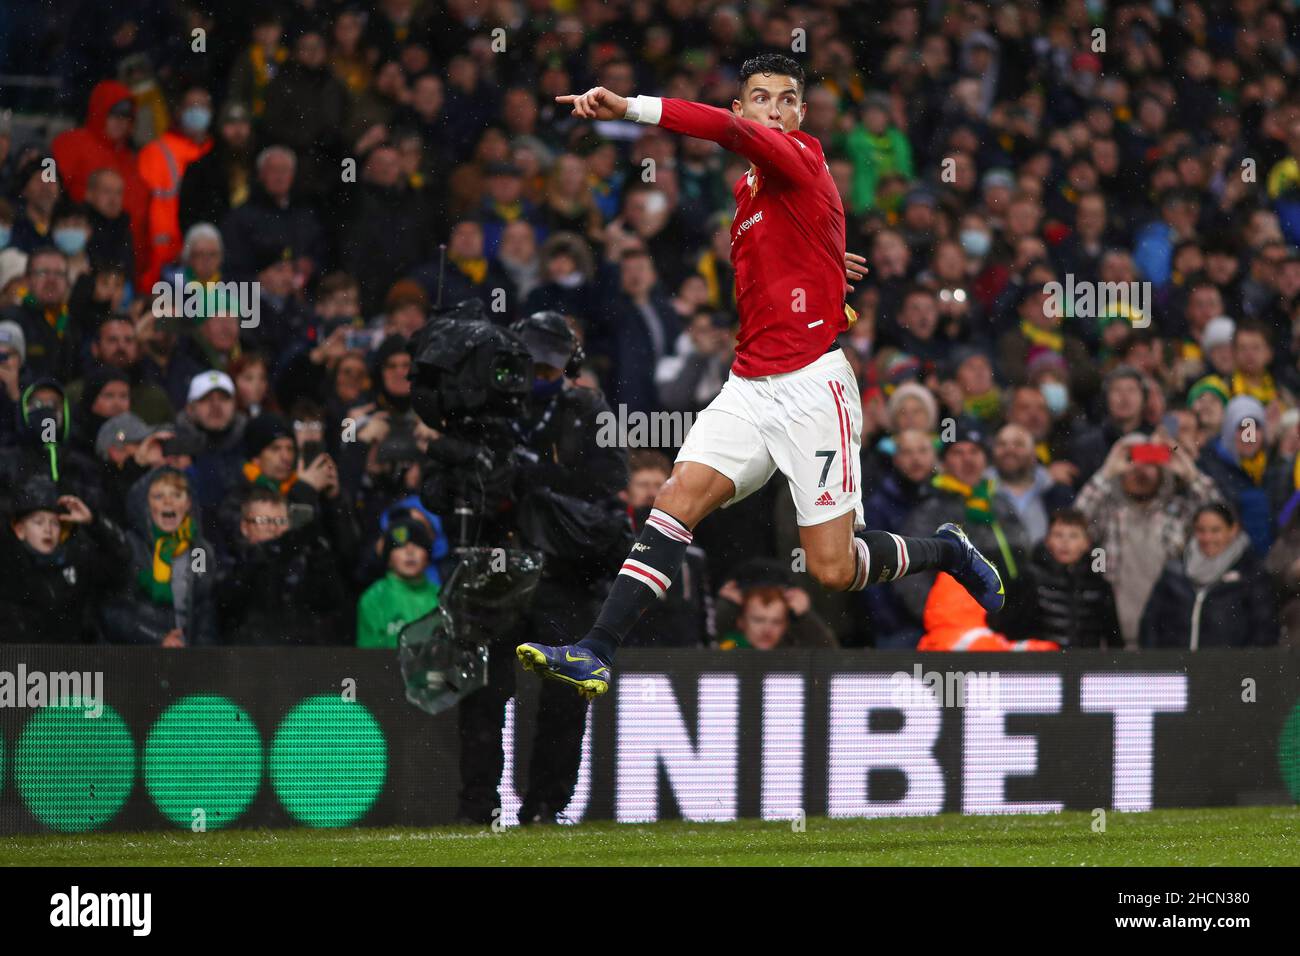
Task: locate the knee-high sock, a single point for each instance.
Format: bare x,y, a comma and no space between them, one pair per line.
646,574
882,556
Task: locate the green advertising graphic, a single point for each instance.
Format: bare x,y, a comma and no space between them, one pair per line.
74,770
329,760
203,762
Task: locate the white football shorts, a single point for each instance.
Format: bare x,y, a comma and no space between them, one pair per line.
807,424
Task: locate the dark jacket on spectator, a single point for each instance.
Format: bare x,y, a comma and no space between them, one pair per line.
1072,604
285,592
261,224
945,506
306,110
214,472
1235,609
110,241
72,472
887,509
1251,501
205,188
634,342
1282,568
49,351
383,238
48,599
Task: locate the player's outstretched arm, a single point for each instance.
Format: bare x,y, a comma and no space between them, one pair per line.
769,149
597,103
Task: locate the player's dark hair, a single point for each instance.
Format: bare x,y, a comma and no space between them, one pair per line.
774,64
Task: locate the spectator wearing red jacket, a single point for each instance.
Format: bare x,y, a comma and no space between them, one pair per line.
104,142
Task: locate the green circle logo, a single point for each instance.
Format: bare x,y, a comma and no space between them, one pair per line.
75,771
203,761
328,761
1288,753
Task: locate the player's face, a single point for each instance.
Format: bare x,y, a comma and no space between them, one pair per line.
773,100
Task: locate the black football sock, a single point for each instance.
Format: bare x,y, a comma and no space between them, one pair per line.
882,556
646,574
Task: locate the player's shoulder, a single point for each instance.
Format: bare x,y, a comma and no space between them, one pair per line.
808,142
812,149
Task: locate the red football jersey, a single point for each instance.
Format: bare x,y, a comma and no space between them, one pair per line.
787,240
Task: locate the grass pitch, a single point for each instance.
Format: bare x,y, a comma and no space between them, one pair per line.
1255,836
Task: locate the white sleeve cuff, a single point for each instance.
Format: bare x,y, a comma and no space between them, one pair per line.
645,109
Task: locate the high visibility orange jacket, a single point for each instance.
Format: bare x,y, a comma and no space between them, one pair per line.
954,621
162,164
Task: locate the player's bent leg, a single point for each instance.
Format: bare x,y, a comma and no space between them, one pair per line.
842,561
694,491
690,494
829,552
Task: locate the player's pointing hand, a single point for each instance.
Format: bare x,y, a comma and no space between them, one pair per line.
597,103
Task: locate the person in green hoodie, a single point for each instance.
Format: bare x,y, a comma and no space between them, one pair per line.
877,148
404,593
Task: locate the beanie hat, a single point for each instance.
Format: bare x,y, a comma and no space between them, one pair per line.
263,430
405,531
96,381
919,392
11,337
1043,359
1212,384
38,494
1218,331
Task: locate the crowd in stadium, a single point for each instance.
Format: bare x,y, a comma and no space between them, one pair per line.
1131,468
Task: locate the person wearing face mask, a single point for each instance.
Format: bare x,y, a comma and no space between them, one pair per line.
70,233
561,461
162,164
43,449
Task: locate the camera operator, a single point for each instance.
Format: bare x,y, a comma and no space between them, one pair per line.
559,466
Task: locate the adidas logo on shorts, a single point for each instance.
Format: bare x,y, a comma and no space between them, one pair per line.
825,499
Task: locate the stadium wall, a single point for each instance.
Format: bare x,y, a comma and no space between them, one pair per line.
200,739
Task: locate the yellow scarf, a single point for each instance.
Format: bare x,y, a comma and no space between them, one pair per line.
1264,390
1043,453
475,269
1036,336
1255,465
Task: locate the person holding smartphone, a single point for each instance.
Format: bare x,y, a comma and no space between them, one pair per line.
1140,503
